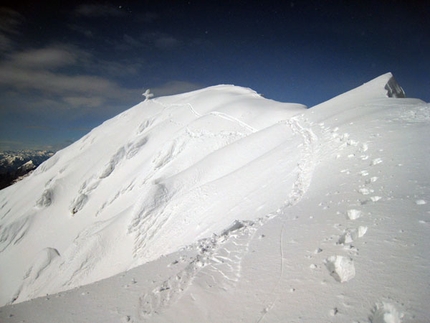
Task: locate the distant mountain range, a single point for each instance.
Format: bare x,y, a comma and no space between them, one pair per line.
17,164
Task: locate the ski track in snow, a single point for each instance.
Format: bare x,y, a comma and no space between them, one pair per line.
230,118
274,294
214,113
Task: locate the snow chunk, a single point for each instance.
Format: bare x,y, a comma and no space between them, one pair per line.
237,225
376,161
341,268
351,235
353,214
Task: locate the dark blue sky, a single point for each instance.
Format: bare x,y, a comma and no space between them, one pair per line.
65,68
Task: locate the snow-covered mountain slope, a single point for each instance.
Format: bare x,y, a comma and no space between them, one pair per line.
230,208
126,193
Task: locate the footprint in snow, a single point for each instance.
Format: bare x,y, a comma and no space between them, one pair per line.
221,256
385,313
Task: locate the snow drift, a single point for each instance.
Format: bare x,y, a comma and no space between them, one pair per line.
247,203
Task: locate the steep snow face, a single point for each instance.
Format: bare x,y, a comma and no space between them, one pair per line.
154,178
266,212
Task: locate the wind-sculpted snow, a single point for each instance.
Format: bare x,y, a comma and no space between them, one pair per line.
221,206
143,171
11,234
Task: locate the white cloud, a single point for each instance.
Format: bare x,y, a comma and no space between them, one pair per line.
34,86
44,58
56,83
40,70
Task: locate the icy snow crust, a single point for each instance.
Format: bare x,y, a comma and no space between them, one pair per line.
221,206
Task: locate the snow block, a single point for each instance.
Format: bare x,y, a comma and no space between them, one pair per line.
353,214
341,268
236,225
350,235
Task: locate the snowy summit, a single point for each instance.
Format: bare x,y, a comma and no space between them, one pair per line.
219,205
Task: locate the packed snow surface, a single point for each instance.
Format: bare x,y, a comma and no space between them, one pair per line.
219,205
